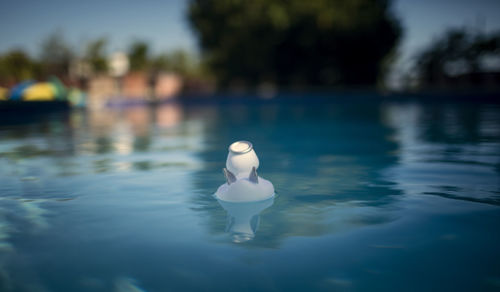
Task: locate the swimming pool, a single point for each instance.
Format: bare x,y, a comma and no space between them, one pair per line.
387,196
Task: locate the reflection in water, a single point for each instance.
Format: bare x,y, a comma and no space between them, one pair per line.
122,199
102,141
325,160
243,218
15,215
448,151
168,116
49,161
127,285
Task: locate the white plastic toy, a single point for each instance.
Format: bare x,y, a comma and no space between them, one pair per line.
242,182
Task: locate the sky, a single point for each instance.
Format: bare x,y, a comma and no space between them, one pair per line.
425,20
25,23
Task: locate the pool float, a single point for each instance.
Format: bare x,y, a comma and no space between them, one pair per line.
242,182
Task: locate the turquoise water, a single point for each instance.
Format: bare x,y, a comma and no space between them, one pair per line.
378,196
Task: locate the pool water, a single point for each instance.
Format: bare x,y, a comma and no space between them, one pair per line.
371,196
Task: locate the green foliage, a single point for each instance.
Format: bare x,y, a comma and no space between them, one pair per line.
315,42
457,51
16,66
161,62
178,61
138,56
55,55
96,55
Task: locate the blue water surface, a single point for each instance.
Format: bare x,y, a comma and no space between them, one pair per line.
371,196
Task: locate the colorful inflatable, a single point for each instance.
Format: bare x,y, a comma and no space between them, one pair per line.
39,91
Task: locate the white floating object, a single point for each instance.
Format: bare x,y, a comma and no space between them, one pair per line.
242,182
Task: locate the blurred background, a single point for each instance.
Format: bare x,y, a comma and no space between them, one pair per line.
98,53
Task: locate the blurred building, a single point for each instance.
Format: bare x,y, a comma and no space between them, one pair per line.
135,86
101,90
167,85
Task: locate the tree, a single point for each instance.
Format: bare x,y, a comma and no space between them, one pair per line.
457,52
96,55
138,56
16,66
180,62
177,61
55,55
161,62
315,42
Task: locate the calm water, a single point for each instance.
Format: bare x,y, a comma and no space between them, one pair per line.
381,196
